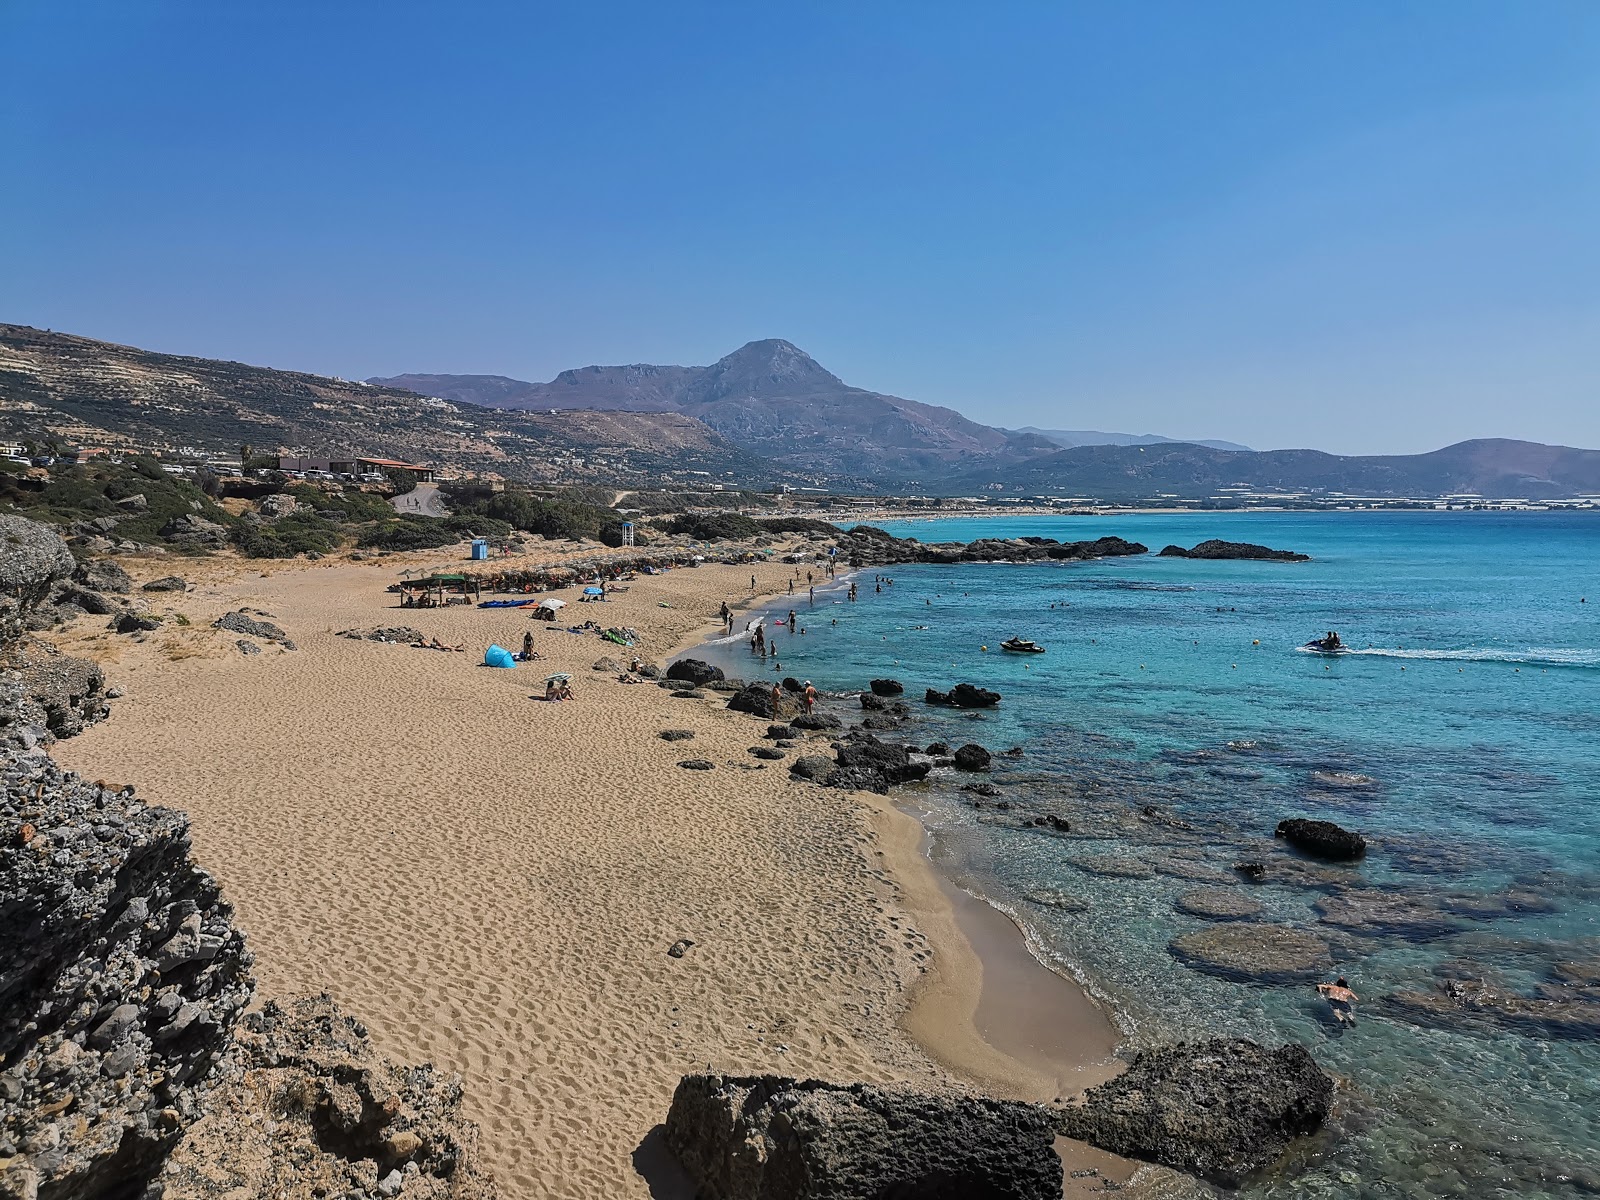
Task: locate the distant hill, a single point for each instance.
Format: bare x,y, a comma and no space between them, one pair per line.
773,399
98,393
1068,438
1492,467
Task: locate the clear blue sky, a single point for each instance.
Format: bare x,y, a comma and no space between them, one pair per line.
1365,227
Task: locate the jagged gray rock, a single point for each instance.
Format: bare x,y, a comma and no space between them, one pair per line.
775,1138
239,622
33,557
1223,1109
167,583
104,575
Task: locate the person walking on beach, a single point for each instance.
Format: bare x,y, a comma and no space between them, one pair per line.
752,584
1341,1000
777,696
791,587
810,695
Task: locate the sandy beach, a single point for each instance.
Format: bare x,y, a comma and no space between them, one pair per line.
491,882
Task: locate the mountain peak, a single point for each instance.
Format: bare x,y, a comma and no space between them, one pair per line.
767,367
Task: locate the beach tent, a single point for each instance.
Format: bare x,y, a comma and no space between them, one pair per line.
498,656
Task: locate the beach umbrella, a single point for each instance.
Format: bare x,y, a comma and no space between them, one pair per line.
551,604
558,677
594,591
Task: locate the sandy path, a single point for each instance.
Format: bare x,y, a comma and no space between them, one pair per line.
492,882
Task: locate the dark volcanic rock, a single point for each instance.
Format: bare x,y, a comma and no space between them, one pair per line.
104,575
783,1139
866,763
872,702
675,735
816,720
811,766
167,583
697,764
1322,839
1218,904
770,753
937,749
886,687
964,695
972,757
1216,548
758,700
880,722
1254,953
239,622
777,732
1483,1007
694,671
132,622
1222,1109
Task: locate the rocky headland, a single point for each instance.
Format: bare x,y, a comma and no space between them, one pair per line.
1217,548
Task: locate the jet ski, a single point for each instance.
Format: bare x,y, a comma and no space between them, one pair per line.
1327,645
1021,646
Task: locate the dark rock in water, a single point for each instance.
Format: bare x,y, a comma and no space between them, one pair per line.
1252,869
981,789
792,685
167,583
886,687
1288,871
1374,913
769,753
696,764
811,766
937,749
1216,548
758,700
675,735
1218,904
887,765
880,722
783,1139
132,622
875,703
972,757
1051,898
1322,839
816,720
1510,902
240,622
1224,1109
1106,547
1115,866
357,1118
104,575
694,671
1484,1007
1047,821
964,695
1254,953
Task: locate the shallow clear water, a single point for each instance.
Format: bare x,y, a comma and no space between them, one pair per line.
1463,738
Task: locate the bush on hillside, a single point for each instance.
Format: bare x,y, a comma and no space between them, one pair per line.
712,527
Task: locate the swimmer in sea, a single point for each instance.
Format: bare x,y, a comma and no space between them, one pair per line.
1341,1000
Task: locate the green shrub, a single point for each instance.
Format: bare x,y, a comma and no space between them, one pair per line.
710,527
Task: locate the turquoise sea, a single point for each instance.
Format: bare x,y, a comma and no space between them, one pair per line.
1462,737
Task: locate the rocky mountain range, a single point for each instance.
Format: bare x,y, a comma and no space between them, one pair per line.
1067,438
99,393
772,398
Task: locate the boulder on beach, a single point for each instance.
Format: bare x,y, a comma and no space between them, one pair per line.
758,700
1322,839
694,671
167,583
1217,548
242,622
963,695
813,767
1252,953
787,1139
1222,1109
816,720
886,687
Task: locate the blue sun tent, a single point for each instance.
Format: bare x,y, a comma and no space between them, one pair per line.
498,656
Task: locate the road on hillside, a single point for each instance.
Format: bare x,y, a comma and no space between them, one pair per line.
422,501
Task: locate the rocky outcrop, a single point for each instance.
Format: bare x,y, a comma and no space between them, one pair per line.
104,575
61,693
1217,904
1254,953
1216,548
242,622
344,1120
694,671
1565,1006
783,1139
867,545
972,757
886,687
33,558
1322,839
167,583
279,504
121,977
195,532
863,763
1224,1109
963,695
758,700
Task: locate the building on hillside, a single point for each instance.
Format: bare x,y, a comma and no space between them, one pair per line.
353,466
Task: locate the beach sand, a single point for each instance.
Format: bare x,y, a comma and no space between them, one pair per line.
491,882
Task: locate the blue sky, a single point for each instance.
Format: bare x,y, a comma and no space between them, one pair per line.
1366,227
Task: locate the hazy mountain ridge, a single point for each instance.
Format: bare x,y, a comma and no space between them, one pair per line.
1068,438
774,399
100,393
1499,468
